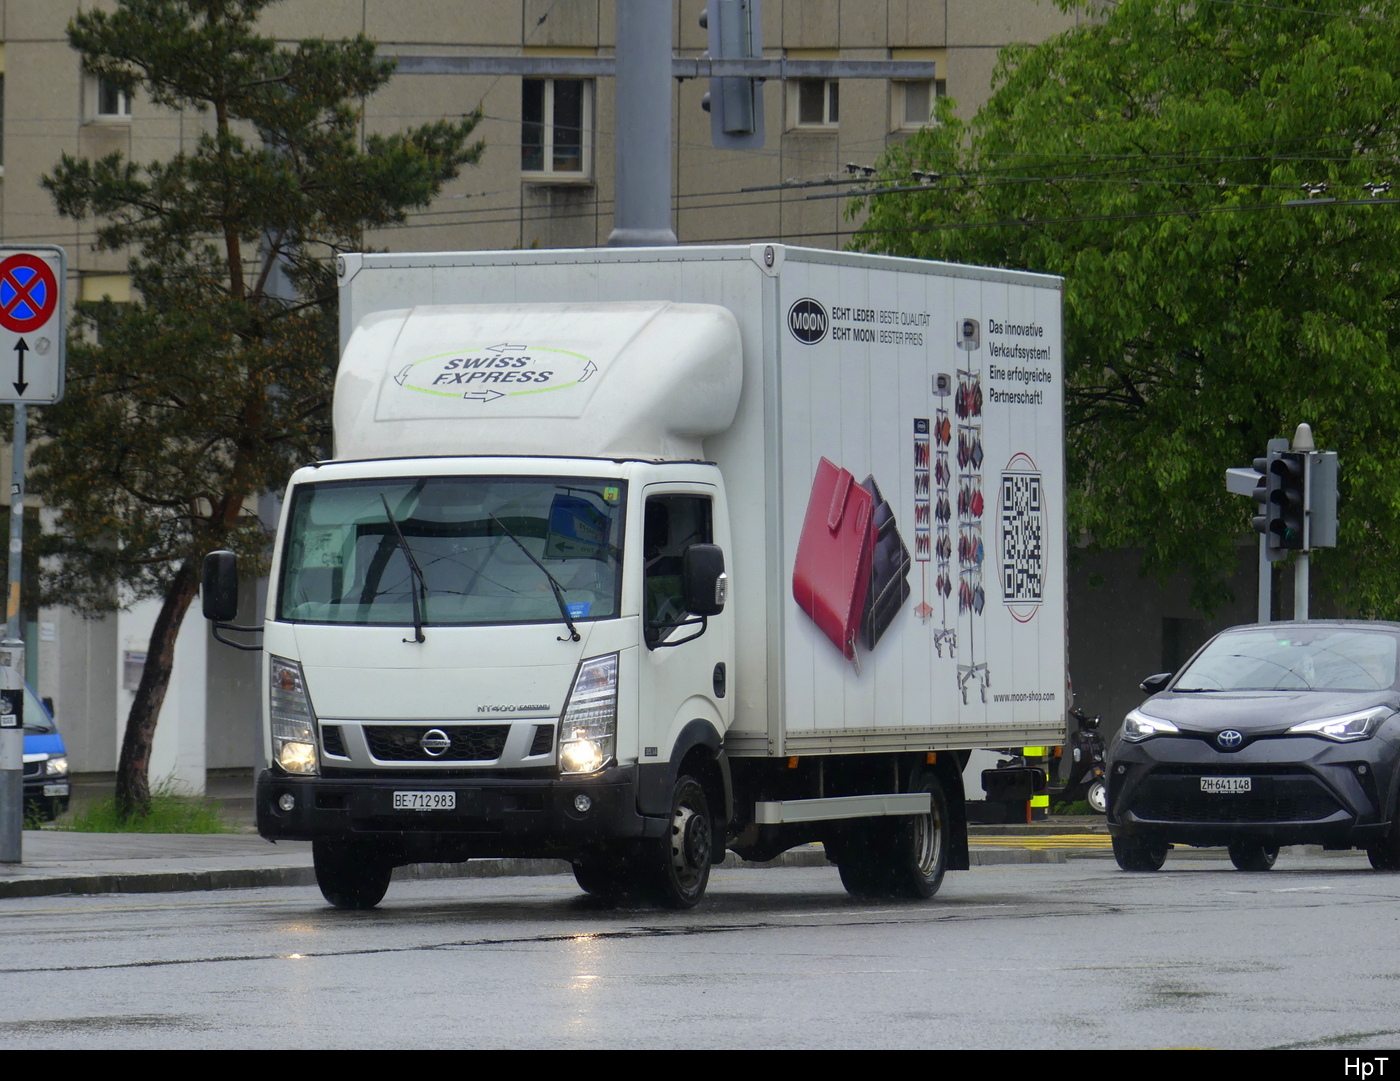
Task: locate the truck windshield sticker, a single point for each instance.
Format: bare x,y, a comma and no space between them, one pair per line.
496,371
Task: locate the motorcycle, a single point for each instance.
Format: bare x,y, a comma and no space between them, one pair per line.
1014,781
1088,778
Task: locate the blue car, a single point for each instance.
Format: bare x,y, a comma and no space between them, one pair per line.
46,788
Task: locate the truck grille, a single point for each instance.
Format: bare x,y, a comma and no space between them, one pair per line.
469,742
332,740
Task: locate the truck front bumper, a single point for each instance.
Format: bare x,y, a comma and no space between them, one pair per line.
493,816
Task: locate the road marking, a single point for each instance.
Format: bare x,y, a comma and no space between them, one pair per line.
1041,841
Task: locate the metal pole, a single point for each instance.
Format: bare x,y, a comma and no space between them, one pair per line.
642,112
1300,587
12,738
1266,582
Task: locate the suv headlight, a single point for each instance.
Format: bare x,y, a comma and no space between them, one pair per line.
1344,729
1138,726
293,722
56,766
588,727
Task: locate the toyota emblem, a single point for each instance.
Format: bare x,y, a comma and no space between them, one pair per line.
1229,740
435,742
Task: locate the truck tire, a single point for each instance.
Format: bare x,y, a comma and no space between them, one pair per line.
601,875
351,875
901,855
678,864
1134,854
1253,857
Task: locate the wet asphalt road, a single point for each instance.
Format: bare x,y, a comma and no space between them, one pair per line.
1077,954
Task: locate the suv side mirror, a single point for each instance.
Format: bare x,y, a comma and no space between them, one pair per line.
1153,684
218,587
705,584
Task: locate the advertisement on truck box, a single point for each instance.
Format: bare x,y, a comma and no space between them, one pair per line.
924,496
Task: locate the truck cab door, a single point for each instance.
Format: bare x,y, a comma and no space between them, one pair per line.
684,675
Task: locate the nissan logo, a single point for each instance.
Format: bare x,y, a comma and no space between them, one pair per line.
1229,740
807,320
435,742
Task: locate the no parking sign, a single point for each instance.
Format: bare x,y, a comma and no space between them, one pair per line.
32,343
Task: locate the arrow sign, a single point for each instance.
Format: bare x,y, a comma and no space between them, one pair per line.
503,348
483,395
21,347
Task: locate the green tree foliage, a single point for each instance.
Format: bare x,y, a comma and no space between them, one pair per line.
212,385
1150,156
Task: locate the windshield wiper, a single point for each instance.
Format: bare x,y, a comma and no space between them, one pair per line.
419,582
553,582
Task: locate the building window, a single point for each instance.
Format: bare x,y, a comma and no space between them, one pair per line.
106,102
814,103
556,130
914,102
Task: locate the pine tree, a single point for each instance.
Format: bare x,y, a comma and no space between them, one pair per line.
214,382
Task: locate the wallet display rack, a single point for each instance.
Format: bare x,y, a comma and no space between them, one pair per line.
937,543
971,505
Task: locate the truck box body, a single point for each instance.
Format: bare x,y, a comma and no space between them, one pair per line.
850,385
627,555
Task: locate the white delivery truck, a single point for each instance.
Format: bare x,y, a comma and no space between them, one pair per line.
632,556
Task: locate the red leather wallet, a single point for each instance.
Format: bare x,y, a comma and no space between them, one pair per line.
832,573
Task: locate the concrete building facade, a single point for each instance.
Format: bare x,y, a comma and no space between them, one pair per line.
545,180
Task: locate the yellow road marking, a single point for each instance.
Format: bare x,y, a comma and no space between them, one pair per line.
1058,840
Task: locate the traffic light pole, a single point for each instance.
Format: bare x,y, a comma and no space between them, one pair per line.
1296,489
1266,583
1303,443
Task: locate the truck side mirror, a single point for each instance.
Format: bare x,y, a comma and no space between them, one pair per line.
218,587
703,579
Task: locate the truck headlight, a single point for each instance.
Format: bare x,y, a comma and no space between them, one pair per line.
588,727
56,766
293,722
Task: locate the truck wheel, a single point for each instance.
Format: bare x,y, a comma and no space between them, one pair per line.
680,861
600,875
921,846
1253,857
1139,855
350,874
901,855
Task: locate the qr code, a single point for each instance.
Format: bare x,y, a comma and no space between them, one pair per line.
1022,538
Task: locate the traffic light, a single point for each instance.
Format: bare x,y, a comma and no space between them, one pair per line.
1289,522
1266,486
735,105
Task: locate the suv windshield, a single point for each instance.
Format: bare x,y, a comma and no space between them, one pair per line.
1320,659
344,561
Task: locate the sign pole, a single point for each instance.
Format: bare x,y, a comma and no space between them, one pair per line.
12,735
32,367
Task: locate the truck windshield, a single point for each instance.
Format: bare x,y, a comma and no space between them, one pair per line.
343,560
